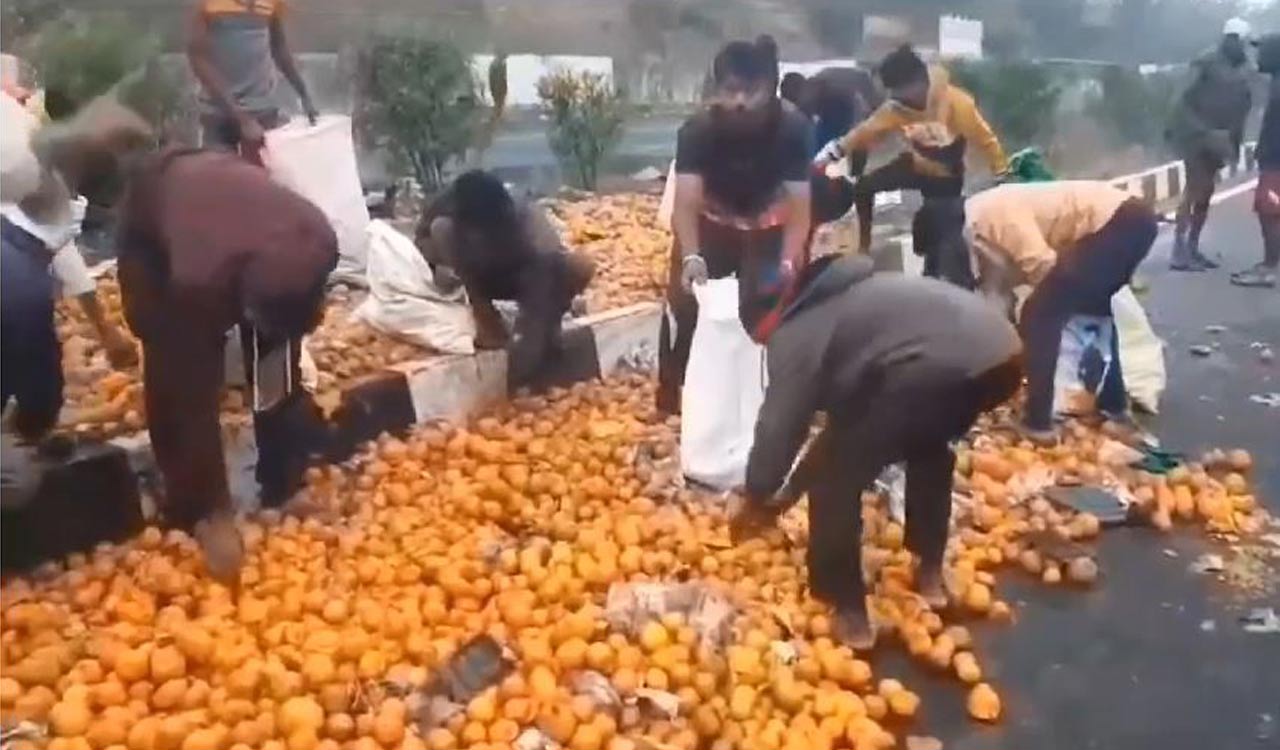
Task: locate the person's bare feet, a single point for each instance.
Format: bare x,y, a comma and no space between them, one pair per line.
932,590
852,628
219,540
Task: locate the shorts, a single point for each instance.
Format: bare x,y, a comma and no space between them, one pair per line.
1266,196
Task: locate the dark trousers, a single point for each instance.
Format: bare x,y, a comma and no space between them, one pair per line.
221,133
1082,283
1201,169
915,424
937,234
899,174
291,434
727,251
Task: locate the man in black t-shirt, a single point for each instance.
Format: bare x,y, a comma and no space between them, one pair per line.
742,203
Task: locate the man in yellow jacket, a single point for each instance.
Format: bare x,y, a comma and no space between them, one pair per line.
1077,243
936,119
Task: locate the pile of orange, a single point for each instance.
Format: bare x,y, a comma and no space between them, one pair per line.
516,526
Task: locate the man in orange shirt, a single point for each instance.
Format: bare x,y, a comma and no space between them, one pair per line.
235,47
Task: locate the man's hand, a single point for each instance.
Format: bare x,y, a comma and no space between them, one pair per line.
252,136
121,351
309,109
693,271
832,152
749,518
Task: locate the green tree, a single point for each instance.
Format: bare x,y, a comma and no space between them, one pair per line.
1135,107
421,102
585,115
1020,99
78,57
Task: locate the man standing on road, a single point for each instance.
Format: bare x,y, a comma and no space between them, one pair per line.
1206,129
1266,196
234,47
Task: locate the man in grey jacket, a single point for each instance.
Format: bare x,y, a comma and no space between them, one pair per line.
1206,129
900,366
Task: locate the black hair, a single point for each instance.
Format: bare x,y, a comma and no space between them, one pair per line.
792,87
756,62
901,67
482,201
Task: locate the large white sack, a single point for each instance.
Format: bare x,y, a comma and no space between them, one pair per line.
319,162
723,390
403,300
1141,351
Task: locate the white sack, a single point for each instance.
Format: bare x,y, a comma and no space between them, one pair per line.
319,163
403,300
723,390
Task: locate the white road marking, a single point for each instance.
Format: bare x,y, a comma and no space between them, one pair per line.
1232,192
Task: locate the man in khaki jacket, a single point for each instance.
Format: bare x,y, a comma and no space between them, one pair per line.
1077,243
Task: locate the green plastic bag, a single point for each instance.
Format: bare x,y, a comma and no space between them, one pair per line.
1028,165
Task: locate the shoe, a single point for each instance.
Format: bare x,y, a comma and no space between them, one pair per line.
1189,265
852,628
1260,276
219,540
1204,260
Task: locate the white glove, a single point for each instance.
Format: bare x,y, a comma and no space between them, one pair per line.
831,152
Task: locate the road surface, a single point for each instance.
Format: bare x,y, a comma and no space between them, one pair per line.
1135,663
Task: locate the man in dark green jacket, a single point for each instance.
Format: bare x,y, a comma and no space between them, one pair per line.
1206,129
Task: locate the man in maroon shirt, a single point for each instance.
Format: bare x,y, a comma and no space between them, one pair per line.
207,242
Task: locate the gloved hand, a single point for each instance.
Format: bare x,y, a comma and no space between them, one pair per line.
832,152
693,271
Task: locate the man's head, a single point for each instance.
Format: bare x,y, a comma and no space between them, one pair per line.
745,78
482,201
906,77
1268,54
1235,37
799,91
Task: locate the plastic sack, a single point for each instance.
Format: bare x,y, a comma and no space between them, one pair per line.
1141,351
403,300
723,389
667,206
1141,355
1083,337
319,163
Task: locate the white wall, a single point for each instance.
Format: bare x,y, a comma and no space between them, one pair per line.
524,72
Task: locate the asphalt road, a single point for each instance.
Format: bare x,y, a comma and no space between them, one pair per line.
1154,657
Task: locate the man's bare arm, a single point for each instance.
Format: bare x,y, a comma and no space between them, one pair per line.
284,60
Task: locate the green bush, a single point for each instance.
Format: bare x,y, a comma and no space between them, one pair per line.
1019,99
79,57
585,116
1134,108
421,102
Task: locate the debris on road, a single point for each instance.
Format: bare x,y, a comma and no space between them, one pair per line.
1261,620
1214,330
1201,350
1266,399
1208,563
